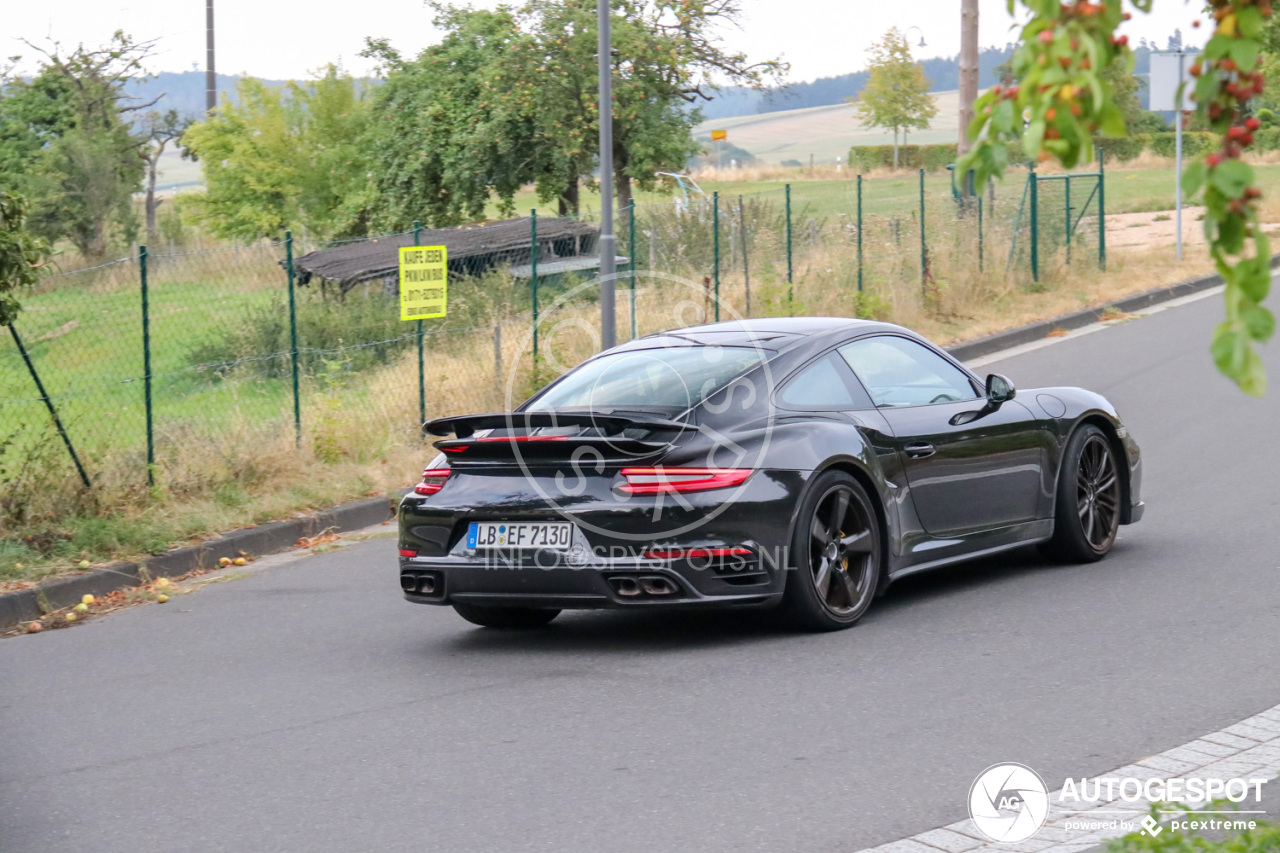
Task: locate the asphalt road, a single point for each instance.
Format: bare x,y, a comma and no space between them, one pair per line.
309,708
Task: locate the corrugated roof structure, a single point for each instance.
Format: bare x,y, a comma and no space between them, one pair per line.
473,250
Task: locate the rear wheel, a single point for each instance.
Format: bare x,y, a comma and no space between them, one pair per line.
1088,505
837,556
505,617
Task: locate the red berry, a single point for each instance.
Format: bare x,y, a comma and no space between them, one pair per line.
1252,123
1228,65
1046,36
1212,160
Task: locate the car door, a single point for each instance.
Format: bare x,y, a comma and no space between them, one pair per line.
964,476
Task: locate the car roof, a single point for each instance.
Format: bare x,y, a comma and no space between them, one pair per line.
772,333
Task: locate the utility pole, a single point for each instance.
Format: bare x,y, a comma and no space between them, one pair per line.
608,242
210,75
968,69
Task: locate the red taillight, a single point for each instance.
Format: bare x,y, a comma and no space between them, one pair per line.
407,552
694,553
432,481
656,481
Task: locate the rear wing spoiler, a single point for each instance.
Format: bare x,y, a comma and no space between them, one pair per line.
464,426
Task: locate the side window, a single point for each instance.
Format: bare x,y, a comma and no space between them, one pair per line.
821,386
900,372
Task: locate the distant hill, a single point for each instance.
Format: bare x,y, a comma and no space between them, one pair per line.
184,90
943,74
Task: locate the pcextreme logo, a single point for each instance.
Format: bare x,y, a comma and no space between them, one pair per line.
1008,802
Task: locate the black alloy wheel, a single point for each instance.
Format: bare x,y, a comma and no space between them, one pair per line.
1089,495
837,555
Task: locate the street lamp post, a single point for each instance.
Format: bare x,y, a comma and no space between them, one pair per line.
608,242
921,32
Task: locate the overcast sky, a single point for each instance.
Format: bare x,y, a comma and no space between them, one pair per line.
285,38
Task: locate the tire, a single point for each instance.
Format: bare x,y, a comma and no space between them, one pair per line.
514,618
1087,512
837,556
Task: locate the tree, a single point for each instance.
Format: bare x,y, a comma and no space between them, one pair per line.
1068,101
66,141
159,129
282,159
509,97
897,93
22,254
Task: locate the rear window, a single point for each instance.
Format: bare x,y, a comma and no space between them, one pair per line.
673,377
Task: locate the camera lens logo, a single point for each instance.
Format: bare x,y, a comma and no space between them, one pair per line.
1008,802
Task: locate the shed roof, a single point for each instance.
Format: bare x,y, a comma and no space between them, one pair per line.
472,249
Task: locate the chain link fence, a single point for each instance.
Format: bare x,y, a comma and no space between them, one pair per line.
142,364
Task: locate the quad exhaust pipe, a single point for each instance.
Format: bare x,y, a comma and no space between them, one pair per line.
656,586
424,584
650,586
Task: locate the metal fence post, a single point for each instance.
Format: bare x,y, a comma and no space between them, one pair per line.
48,404
924,255
979,233
146,367
859,233
790,282
1102,209
1035,224
746,260
422,368
715,227
293,337
533,277
632,244
1067,215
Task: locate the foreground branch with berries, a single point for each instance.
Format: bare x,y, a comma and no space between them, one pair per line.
1062,103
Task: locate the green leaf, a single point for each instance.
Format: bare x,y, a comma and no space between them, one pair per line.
1193,177
1227,350
1111,121
1217,47
1232,177
1249,20
1260,323
1253,275
1252,378
1002,117
1231,234
1245,54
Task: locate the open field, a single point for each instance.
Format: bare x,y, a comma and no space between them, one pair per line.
824,133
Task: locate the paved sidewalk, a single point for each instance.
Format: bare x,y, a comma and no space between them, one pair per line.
1250,749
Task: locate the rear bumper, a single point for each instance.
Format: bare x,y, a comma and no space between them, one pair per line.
611,537
616,584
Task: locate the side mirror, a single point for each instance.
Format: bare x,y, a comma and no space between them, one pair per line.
1000,389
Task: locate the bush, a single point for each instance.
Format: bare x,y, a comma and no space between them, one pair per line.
1193,144
1121,150
932,158
1267,139
367,325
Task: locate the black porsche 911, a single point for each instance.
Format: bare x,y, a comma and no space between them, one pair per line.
802,463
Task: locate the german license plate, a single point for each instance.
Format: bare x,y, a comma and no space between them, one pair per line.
553,535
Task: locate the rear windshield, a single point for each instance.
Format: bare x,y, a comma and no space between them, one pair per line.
674,377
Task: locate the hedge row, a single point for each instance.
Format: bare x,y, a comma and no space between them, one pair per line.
865,158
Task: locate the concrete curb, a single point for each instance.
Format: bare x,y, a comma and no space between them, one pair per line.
28,604
979,347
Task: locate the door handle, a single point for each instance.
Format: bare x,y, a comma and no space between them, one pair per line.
919,451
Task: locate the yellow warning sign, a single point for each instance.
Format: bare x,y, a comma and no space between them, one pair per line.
719,135
424,282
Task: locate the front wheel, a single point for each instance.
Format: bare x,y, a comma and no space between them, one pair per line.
837,556
1088,506
506,617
